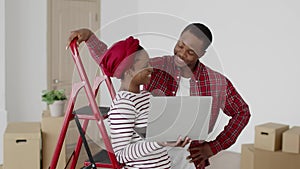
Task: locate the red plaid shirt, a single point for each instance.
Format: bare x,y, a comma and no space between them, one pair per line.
205,82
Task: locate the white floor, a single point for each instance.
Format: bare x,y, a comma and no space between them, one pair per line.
225,160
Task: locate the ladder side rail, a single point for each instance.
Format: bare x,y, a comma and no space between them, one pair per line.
97,82
68,117
91,98
82,139
110,86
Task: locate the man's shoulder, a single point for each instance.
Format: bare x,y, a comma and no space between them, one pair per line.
213,75
209,70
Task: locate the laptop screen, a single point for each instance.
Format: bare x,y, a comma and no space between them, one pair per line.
171,117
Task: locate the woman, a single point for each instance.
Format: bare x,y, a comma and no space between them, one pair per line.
129,62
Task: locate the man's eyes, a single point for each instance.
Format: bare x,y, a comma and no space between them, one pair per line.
191,52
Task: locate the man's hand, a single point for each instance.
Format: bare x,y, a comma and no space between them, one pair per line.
81,34
199,153
179,143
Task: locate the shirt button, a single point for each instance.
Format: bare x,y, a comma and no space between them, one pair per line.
173,92
177,77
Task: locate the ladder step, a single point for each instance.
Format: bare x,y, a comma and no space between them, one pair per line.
87,111
101,160
88,167
101,157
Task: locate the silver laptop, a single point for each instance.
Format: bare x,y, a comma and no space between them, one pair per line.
171,117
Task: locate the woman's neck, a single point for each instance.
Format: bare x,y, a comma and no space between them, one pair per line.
130,87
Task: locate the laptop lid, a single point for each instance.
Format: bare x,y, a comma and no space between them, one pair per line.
171,117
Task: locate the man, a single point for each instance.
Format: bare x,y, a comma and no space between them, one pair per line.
184,74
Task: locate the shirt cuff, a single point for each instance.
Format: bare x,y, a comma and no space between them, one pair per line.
215,146
156,145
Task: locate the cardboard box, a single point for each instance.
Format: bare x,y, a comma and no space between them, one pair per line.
247,156
264,159
291,140
22,145
51,128
269,136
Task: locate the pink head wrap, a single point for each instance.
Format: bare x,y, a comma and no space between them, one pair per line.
119,58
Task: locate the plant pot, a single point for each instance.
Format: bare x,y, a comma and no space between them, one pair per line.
57,108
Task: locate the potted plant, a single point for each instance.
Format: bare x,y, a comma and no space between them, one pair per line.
56,101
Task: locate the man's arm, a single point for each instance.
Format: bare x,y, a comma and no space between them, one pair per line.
238,110
96,47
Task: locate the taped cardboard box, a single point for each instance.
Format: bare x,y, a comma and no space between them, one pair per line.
264,159
22,145
51,127
268,136
252,158
247,156
291,140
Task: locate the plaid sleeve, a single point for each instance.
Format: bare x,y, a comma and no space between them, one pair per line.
157,62
96,47
238,110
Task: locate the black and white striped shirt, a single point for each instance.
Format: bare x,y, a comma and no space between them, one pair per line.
128,111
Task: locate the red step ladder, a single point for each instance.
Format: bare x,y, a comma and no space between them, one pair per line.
94,115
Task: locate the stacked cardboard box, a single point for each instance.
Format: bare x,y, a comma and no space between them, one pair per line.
291,140
273,147
50,132
22,145
32,144
51,127
247,158
269,136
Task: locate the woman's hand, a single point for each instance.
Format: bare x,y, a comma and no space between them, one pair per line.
81,34
179,143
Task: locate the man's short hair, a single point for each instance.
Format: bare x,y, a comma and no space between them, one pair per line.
200,31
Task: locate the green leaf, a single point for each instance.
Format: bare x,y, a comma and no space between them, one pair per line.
49,96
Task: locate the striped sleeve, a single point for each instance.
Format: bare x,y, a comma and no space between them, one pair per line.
122,122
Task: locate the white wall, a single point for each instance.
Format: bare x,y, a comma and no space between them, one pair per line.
116,18
255,46
117,22
256,43
3,115
25,58
22,61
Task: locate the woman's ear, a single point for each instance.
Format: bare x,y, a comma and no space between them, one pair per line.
128,73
